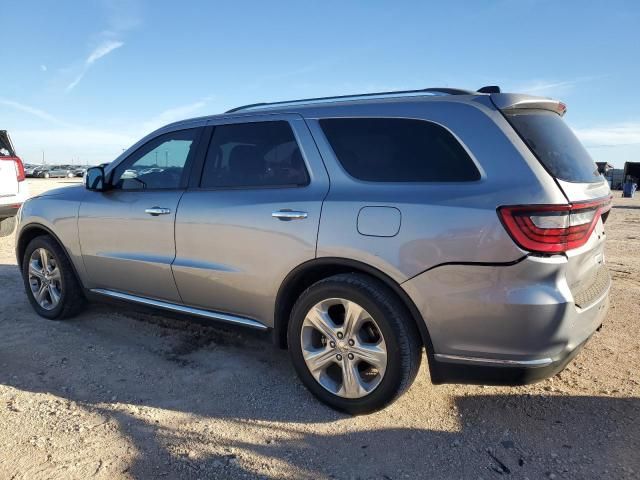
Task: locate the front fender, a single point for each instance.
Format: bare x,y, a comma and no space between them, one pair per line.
58,217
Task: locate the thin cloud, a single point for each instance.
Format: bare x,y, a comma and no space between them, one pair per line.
610,135
93,145
105,48
174,114
544,86
43,68
63,138
77,80
102,50
121,16
36,112
551,87
90,145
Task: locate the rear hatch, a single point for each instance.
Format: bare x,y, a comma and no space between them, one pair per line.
9,168
539,124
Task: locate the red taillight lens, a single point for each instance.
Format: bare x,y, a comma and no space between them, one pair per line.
19,169
553,228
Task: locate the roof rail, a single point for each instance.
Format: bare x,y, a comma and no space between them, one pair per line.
435,91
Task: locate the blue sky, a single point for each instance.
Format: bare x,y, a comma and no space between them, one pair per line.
83,80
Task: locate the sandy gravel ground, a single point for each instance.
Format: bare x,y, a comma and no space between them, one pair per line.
121,393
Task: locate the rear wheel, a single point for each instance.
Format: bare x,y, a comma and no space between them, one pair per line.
49,280
353,344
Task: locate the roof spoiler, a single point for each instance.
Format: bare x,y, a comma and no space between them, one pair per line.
514,101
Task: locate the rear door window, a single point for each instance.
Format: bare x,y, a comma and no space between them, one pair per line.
555,145
398,150
254,155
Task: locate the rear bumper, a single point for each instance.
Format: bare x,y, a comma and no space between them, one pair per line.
10,204
11,210
506,325
453,371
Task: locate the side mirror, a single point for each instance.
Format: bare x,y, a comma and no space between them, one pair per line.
94,179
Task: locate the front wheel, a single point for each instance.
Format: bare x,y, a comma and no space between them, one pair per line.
353,344
49,280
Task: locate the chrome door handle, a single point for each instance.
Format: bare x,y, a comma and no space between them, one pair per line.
287,215
155,211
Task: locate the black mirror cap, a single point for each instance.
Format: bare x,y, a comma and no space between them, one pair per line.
94,179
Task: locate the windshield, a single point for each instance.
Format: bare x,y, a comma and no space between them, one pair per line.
555,145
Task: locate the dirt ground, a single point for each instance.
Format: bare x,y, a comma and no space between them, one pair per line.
123,393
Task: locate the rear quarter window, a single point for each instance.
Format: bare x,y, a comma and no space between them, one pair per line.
555,145
398,150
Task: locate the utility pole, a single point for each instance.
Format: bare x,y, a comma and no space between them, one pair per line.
43,162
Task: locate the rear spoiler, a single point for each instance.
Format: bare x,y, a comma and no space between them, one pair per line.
514,101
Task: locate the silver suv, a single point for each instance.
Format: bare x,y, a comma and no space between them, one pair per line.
358,230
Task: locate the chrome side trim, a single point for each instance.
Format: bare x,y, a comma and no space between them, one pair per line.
539,362
223,317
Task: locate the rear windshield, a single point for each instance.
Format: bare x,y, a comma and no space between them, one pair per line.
555,145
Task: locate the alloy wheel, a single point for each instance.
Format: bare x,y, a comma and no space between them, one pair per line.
45,279
343,348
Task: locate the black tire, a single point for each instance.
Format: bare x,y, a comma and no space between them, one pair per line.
7,225
72,299
404,348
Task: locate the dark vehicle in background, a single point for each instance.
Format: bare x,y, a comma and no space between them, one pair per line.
40,171
30,169
63,171
54,171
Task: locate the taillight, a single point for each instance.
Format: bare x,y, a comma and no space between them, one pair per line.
19,169
20,175
553,228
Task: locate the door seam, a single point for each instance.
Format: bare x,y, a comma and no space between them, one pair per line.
315,253
175,246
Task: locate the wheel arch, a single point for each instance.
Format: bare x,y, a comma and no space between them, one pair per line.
308,273
34,230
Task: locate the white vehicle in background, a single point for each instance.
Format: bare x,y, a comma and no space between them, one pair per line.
13,188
